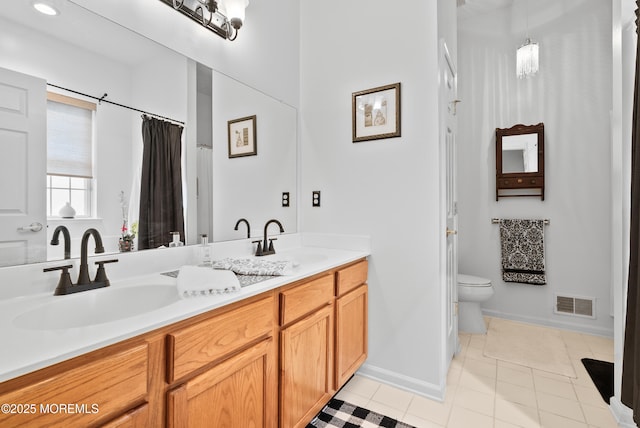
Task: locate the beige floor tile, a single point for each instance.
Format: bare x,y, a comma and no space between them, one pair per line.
473,400
549,420
517,414
589,395
478,354
600,417
480,368
477,383
453,376
392,397
362,386
430,410
516,394
553,386
549,375
477,341
465,418
514,366
355,399
419,422
502,424
522,376
560,406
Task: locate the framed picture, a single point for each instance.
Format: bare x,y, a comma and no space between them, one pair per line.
242,137
376,113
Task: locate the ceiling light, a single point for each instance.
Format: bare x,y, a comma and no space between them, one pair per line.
527,62
223,17
45,8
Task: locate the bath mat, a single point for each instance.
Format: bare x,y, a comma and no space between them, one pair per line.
338,413
601,373
541,348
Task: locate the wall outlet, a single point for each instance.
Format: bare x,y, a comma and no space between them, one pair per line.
315,198
285,199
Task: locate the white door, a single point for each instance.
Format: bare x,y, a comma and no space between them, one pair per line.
448,126
23,164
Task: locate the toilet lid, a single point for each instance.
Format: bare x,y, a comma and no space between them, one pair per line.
473,281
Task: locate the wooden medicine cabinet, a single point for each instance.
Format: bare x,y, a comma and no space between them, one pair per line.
520,161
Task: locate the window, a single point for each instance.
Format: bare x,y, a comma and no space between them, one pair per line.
69,154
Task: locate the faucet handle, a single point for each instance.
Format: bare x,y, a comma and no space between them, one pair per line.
101,274
64,284
259,248
271,244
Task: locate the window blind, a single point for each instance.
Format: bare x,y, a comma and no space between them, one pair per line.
69,138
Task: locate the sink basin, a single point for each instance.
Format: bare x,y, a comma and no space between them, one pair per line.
96,307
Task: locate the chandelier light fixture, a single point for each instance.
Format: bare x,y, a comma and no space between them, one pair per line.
223,17
527,62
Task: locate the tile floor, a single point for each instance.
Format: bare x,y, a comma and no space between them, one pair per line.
485,392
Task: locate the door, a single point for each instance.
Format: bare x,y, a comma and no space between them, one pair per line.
448,126
23,165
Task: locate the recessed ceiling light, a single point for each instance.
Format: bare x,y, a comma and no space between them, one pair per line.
45,8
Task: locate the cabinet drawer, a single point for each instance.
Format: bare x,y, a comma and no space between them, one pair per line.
349,278
195,346
96,390
303,299
520,182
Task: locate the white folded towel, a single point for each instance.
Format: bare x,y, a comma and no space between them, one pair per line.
204,281
255,266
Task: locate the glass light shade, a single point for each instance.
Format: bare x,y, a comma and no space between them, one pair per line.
234,8
45,8
527,63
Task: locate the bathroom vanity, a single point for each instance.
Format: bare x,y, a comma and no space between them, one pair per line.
270,356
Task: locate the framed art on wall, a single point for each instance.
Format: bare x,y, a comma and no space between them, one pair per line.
376,113
242,137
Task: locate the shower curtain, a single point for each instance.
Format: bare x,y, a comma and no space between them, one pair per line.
631,354
161,206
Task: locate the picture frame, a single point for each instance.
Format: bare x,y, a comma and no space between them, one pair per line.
242,137
376,113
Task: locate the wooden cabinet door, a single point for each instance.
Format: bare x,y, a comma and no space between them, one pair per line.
239,392
306,367
351,333
136,418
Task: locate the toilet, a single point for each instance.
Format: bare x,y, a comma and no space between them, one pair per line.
472,291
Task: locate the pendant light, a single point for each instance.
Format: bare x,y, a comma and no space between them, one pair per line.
527,55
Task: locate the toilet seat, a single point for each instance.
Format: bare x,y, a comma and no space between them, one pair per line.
472,281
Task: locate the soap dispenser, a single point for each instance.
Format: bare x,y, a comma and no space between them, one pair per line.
176,240
204,251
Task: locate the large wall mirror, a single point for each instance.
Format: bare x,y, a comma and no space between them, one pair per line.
520,161
88,54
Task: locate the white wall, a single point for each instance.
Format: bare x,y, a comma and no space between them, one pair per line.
68,66
387,189
265,54
572,96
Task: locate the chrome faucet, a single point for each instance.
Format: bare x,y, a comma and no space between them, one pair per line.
65,286
67,240
244,220
264,248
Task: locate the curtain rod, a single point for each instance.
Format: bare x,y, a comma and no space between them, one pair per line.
102,99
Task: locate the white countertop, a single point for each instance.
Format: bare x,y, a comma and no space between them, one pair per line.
26,350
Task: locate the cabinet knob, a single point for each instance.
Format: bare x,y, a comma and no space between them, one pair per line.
533,181
519,180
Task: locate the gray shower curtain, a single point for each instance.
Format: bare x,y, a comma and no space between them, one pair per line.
631,358
161,205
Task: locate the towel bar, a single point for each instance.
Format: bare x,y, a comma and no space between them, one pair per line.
497,221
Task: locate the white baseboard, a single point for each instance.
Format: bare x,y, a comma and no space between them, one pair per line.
622,414
598,331
407,383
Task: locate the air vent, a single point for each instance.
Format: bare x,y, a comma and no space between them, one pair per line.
577,306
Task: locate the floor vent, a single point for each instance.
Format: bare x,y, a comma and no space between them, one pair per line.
573,305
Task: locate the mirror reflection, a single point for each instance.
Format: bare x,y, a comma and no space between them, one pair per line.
520,153
111,61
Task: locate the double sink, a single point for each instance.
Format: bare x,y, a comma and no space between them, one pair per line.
115,303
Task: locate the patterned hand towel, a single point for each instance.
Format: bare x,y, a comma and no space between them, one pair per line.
522,243
255,266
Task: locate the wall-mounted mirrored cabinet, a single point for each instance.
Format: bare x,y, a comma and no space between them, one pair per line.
520,161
